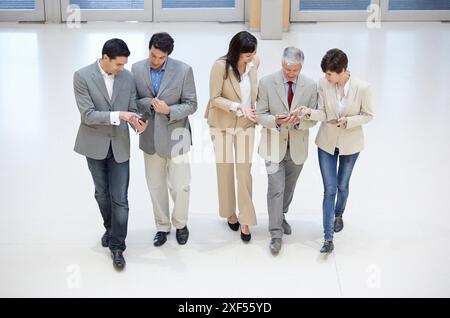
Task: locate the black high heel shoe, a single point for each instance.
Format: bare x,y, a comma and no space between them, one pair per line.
246,237
234,226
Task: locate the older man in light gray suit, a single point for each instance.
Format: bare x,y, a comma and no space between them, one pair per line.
166,94
106,98
284,140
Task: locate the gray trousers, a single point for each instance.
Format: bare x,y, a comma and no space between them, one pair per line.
282,179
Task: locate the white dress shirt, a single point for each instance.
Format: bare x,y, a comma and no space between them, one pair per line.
246,90
342,101
109,83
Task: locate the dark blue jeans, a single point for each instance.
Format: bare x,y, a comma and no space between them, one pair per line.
111,181
335,181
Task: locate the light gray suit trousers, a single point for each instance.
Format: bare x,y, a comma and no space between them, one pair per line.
282,179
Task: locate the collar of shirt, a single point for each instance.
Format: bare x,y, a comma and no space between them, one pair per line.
162,69
346,89
285,81
106,75
248,67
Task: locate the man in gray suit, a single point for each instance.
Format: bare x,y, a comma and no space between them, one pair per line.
284,139
106,98
165,91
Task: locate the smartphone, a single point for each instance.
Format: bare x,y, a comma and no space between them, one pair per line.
332,121
145,116
282,116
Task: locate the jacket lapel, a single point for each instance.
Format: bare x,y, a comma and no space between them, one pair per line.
116,87
167,77
352,91
100,82
279,86
332,102
299,87
235,83
147,77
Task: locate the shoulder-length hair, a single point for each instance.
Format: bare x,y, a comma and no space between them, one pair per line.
242,42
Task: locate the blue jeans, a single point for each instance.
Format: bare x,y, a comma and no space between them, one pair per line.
335,181
111,181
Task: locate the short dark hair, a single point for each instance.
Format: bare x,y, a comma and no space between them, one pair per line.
114,48
162,41
334,60
242,42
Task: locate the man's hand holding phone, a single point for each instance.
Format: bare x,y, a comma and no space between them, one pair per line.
291,118
282,119
140,123
144,117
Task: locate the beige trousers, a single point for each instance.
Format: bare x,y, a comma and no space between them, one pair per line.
241,141
168,175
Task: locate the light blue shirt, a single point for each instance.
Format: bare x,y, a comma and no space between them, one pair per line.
156,77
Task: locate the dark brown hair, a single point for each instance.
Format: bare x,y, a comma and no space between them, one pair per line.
242,42
162,41
335,61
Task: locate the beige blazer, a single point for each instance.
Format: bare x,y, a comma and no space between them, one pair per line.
349,139
272,100
223,92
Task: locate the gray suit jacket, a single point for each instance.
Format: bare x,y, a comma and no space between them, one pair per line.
272,100
167,136
96,132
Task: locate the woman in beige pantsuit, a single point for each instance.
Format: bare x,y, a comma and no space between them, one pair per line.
231,117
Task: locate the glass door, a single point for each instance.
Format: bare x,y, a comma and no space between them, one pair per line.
331,10
22,10
415,10
199,10
108,10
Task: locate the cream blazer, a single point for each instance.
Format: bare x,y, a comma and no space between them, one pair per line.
223,92
359,111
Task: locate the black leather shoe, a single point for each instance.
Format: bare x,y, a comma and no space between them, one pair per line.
286,227
105,239
338,224
160,238
327,247
234,226
275,245
118,260
182,235
246,237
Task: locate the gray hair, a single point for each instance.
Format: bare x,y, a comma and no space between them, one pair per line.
293,55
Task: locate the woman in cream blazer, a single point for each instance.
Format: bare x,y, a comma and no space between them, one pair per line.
231,117
345,104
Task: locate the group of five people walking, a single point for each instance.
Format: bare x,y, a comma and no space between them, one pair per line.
156,99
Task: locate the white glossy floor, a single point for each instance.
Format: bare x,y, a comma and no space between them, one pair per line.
397,226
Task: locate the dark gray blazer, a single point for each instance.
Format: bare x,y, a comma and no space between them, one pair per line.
96,132
168,137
